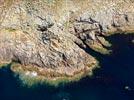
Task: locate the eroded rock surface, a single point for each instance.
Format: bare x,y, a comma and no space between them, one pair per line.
52,35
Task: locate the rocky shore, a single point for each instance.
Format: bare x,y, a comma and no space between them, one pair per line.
47,40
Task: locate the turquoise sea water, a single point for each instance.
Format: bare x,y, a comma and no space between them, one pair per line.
113,81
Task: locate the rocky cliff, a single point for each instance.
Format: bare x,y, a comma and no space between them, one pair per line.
48,38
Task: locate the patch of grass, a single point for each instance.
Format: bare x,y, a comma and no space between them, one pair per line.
99,48
102,50
10,29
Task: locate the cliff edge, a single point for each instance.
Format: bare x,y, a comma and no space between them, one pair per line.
48,38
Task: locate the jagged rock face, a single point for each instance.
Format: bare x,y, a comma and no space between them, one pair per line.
39,33
102,18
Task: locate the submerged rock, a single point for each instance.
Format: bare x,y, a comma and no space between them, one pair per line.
49,39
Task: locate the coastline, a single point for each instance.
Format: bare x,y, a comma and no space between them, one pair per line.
30,75
41,46
30,78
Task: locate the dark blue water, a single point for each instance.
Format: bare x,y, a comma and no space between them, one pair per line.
108,83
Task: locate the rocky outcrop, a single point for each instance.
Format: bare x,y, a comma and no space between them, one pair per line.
52,36
103,18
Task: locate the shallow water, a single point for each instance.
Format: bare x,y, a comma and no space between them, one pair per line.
113,81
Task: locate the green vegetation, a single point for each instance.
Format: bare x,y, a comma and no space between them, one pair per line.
100,49
10,29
